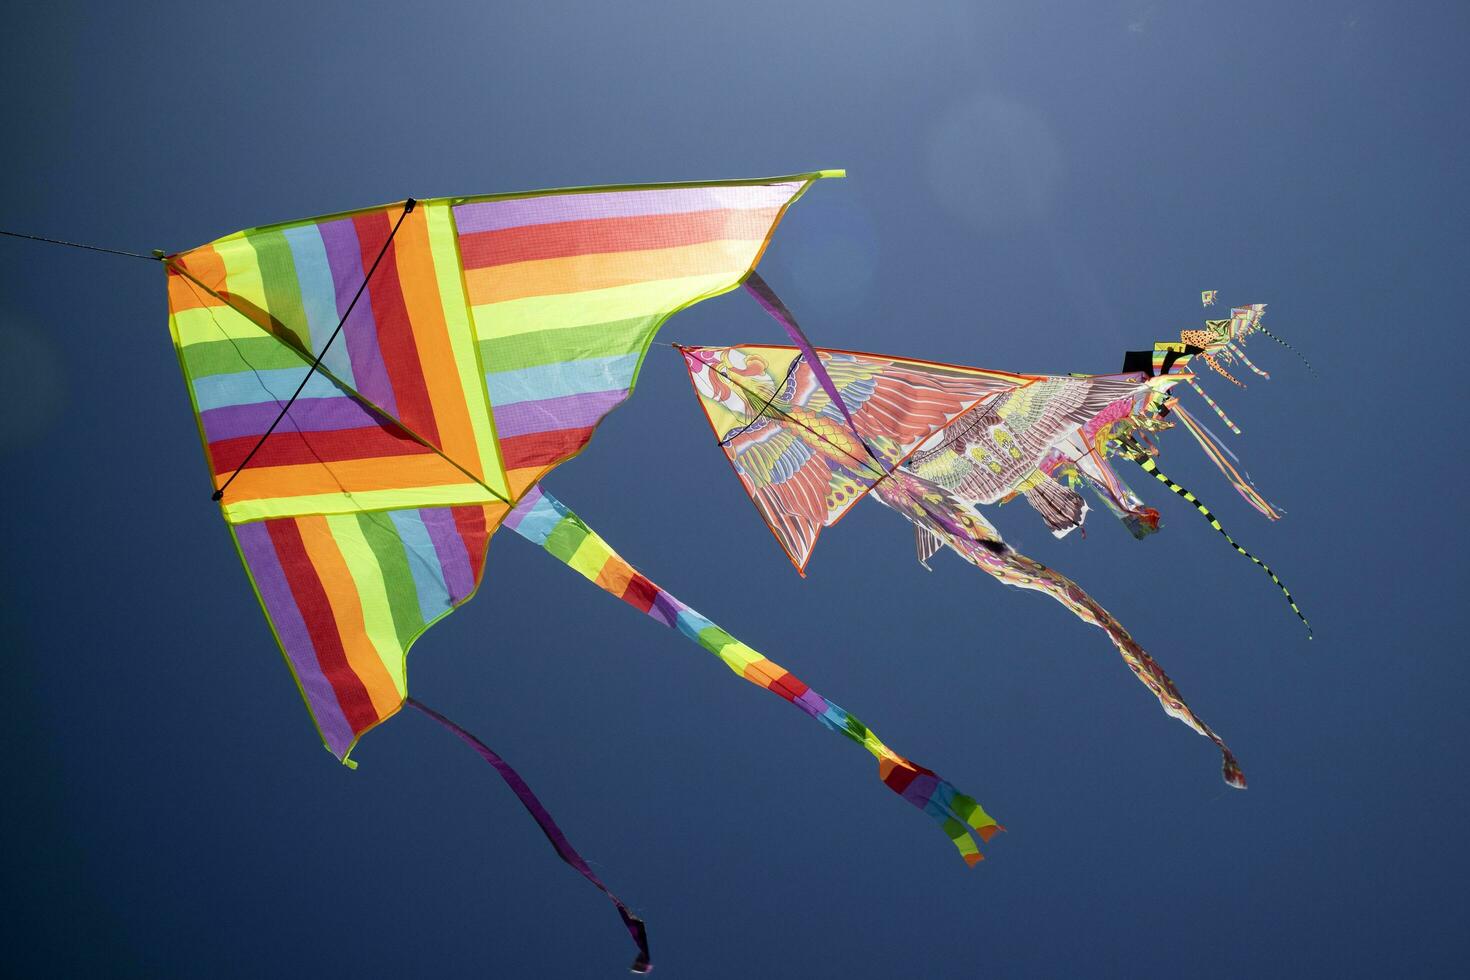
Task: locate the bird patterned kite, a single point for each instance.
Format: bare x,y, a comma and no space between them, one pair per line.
808,431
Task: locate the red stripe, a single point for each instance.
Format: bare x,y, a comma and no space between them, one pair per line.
640,593
542,448
483,249
292,448
395,330
470,522
316,611
789,686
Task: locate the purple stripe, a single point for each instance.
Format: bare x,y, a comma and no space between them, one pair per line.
344,255
812,703
449,546
280,606
551,208
307,415
527,504
550,414
665,607
921,790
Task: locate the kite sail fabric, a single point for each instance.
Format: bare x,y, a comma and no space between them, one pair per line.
375,390
444,355
789,440
548,523
760,404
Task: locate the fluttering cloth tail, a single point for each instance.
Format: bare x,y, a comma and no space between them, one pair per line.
545,521
1143,459
564,848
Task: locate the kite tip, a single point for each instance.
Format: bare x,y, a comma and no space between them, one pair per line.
218,495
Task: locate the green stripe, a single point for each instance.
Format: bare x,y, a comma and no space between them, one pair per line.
282,289
527,350
566,538
263,353
392,558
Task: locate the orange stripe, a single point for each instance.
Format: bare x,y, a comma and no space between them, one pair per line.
421,297
203,264
578,273
763,672
362,656
348,476
615,576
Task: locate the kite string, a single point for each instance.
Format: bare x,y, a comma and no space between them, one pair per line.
157,257
220,493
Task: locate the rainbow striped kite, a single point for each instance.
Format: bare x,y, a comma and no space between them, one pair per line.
379,391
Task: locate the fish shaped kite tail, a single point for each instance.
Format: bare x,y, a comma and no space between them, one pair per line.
932,508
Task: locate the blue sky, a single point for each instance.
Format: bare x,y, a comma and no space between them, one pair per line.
1033,187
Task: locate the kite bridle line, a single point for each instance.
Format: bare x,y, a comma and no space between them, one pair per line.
407,207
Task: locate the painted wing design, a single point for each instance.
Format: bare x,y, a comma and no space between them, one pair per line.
788,482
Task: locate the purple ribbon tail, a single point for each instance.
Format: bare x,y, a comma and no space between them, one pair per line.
771,303
548,827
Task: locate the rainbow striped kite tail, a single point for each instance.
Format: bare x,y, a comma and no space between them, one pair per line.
960,817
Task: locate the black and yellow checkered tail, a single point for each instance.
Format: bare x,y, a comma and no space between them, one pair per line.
1149,466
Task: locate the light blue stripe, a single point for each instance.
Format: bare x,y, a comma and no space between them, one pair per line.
691,623
423,562
538,523
319,298
254,387
567,378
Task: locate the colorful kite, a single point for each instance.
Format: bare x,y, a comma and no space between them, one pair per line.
379,391
809,432
1207,297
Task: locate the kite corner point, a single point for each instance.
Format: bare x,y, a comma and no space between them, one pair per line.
831,173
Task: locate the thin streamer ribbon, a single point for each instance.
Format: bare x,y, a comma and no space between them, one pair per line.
548,827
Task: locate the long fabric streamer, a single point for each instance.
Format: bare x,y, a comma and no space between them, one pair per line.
564,848
548,523
1213,451
1146,461
1212,403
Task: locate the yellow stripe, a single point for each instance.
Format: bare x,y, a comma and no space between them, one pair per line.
538,313
377,614
198,326
443,243
342,595
602,270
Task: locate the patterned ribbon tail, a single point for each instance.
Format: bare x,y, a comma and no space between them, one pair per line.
1216,453
1150,467
548,827
1262,327
1211,402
